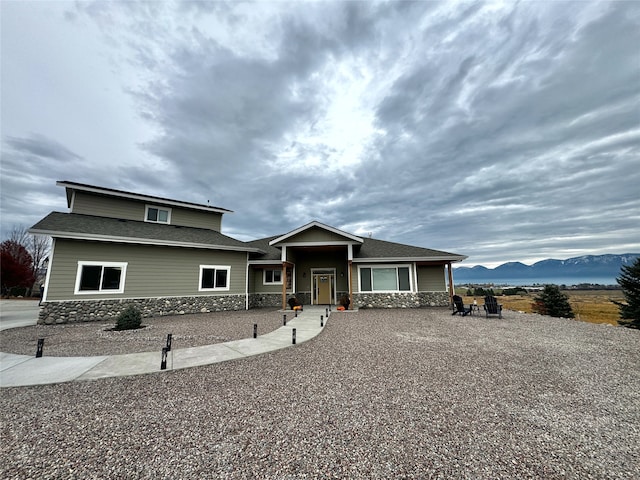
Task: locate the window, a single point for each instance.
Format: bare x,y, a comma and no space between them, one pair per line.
214,277
385,279
157,214
100,277
273,276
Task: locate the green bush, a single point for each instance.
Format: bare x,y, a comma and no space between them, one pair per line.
129,319
514,291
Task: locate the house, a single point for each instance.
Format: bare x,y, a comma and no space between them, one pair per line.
169,257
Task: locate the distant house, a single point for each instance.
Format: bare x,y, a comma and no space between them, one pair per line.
170,257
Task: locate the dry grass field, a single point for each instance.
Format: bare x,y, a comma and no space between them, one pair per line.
594,306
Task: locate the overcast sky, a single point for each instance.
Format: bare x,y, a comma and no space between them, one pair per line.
503,131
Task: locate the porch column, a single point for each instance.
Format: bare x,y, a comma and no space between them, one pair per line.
350,285
452,291
284,285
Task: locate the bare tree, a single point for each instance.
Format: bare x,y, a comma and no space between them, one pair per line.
38,247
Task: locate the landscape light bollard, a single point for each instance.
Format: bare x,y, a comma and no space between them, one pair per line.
40,347
295,313
255,330
169,339
321,321
326,312
293,336
284,319
163,361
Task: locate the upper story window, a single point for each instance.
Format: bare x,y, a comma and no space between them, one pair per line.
157,214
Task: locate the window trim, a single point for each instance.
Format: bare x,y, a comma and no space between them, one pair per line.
264,276
100,291
146,214
396,266
214,267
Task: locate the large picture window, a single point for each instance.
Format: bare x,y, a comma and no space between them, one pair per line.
272,277
100,277
214,277
157,214
385,279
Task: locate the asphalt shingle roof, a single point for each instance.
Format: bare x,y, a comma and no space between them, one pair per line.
372,248
113,229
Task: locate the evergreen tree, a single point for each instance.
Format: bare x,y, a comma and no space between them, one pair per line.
629,280
551,301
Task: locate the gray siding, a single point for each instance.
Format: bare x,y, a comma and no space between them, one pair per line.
103,206
256,285
195,218
431,279
322,259
317,235
152,271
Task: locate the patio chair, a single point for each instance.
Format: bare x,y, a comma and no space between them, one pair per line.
492,307
459,307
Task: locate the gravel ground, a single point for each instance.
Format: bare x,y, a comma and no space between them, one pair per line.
379,394
97,338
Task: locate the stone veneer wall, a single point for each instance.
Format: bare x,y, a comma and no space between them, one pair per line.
108,310
258,300
401,300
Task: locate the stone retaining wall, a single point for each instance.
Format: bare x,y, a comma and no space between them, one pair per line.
401,300
108,310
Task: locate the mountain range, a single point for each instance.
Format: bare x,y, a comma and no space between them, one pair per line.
586,267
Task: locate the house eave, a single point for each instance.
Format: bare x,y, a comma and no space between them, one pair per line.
140,241
443,260
328,228
136,196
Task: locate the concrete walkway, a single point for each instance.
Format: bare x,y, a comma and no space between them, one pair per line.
22,370
18,313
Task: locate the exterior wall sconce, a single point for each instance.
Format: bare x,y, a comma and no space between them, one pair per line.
342,274
304,274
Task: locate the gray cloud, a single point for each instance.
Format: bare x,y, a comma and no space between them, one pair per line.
503,133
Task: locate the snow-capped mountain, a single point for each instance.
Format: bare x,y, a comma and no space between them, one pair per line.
587,266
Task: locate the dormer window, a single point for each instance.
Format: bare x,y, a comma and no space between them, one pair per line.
157,214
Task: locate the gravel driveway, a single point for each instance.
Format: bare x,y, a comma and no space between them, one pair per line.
379,394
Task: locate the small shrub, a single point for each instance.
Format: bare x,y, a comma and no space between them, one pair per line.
129,319
514,291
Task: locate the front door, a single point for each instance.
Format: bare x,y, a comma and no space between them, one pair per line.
323,288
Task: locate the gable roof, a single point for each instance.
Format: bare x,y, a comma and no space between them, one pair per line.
365,250
71,186
315,224
89,227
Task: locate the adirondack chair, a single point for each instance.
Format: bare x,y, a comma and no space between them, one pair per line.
492,307
459,307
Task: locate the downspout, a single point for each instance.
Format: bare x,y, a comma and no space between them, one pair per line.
246,293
